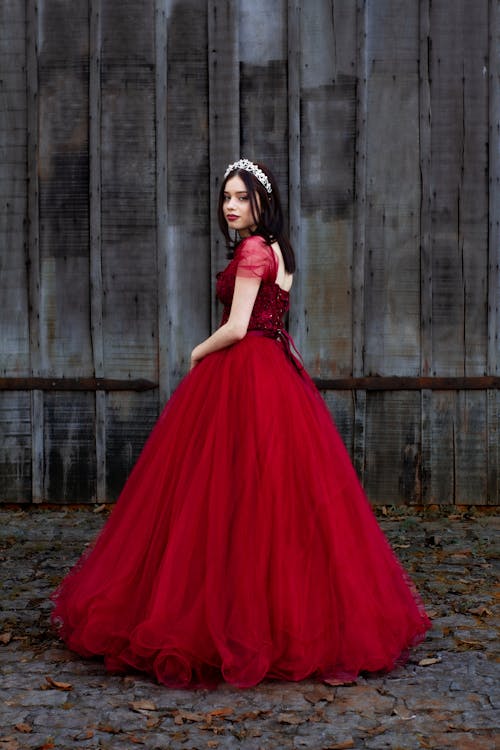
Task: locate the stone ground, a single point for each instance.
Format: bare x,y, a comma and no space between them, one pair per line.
446,696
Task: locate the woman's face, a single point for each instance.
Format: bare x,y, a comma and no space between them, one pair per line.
237,207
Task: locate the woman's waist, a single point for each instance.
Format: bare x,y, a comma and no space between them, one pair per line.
282,337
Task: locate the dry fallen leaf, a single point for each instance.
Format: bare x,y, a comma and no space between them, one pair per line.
467,643
143,705
58,685
108,728
290,718
429,661
250,715
404,714
227,711
100,508
339,683
345,745
481,611
213,743
319,693
85,734
23,728
6,637
153,722
181,716
9,743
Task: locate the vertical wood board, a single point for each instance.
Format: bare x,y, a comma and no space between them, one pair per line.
15,448
393,455
129,419
63,183
263,87
14,331
224,117
128,244
328,98
392,292
188,222
69,448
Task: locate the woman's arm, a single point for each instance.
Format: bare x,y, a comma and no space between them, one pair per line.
245,293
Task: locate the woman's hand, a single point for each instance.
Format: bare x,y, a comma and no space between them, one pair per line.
195,360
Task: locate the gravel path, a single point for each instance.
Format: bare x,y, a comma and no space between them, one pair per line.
445,697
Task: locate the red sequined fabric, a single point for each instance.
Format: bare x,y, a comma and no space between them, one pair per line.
255,258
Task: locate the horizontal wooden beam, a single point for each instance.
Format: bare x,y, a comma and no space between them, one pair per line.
368,383
75,384
402,383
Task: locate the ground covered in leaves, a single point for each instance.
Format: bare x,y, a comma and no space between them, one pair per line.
445,697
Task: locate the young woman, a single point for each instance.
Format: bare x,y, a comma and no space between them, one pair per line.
243,546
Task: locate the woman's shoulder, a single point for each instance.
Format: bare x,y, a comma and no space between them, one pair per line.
255,242
255,247
254,254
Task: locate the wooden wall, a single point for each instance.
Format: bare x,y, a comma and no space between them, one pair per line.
381,119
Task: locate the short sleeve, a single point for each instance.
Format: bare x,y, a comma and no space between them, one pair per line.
256,259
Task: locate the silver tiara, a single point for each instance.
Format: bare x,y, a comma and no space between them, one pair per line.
249,166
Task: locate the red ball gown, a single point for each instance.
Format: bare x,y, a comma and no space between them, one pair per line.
242,546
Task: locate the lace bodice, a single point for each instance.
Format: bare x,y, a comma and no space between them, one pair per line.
254,258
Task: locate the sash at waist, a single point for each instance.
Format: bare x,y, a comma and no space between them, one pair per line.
285,340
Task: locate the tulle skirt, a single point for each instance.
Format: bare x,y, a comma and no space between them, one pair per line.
242,546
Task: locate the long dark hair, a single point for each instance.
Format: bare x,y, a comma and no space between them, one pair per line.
268,219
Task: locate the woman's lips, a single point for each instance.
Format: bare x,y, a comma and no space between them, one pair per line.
231,217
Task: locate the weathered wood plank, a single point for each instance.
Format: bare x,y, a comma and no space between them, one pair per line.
294,179
425,242
447,140
14,330
392,282
472,468
405,383
473,229
15,411
263,87
128,242
189,282
393,457
359,237
75,384
69,448
392,292
223,117
33,253
341,407
459,243
64,188
161,78
15,448
328,97
472,458
96,285
128,427
442,468
493,418
63,176
493,447
128,222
